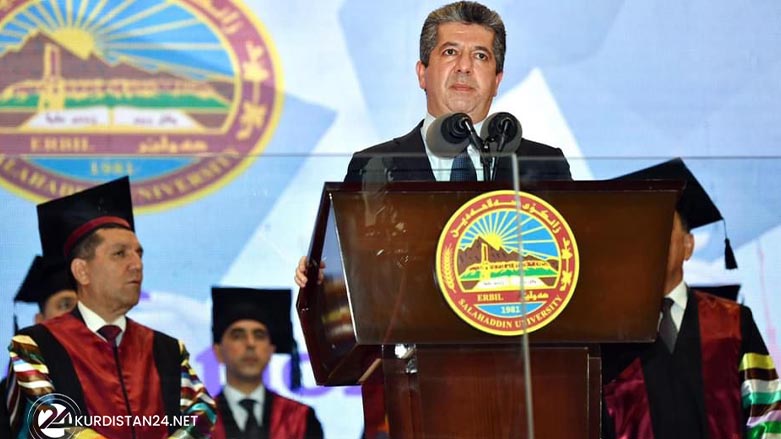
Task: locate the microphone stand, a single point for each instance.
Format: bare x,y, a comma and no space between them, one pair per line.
500,144
485,158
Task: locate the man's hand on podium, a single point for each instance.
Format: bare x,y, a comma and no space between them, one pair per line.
301,271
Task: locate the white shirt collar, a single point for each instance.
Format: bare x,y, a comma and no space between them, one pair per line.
678,294
233,396
680,298
95,322
441,165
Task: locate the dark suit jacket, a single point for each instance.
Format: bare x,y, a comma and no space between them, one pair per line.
5,421
404,159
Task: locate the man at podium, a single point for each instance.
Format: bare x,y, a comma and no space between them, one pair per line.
462,52
709,374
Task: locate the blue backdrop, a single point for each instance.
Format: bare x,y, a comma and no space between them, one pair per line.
618,85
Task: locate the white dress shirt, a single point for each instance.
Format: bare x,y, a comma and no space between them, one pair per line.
680,299
95,322
234,396
441,165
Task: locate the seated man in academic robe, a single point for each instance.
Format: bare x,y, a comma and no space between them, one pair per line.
46,284
101,373
249,326
709,374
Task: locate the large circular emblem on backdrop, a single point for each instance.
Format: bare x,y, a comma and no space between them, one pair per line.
182,95
489,249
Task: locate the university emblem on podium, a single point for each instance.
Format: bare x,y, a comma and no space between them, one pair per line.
182,95
490,252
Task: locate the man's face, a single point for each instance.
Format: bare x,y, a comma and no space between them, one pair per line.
59,303
245,349
461,74
681,249
112,278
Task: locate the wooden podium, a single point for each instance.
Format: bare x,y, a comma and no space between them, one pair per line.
379,309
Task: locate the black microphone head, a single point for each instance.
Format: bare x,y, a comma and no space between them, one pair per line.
448,135
455,127
495,124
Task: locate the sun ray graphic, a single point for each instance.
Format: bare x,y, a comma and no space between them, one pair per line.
80,14
498,229
150,34
503,230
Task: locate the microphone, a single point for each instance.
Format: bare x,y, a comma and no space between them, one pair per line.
502,132
448,135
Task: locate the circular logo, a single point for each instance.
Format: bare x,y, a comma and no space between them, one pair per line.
180,95
490,252
51,415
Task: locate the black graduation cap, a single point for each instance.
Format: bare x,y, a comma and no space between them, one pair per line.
63,222
44,278
268,306
729,292
695,206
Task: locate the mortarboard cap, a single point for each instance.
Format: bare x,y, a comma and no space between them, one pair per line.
44,278
268,306
695,206
64,222
729,292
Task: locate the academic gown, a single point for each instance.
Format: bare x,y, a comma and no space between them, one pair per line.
5,421
712,385
283,418
152,379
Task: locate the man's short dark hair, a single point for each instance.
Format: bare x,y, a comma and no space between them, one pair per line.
85,248
467,13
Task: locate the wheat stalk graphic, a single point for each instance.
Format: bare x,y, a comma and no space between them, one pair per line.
447,267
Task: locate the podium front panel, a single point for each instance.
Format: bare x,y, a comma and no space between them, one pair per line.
388,241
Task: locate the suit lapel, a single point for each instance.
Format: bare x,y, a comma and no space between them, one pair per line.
674,381
656,361
411,163
231,428
687,358
268,405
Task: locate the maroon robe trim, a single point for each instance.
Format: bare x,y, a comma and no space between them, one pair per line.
288,418
627,403
721,341
626,399
94,364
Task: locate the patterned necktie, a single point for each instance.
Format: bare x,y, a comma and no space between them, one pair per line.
251,428
667,330
110,333
463,169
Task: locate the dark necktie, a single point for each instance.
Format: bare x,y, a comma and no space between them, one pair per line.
251,428
110,333
667,329
462,168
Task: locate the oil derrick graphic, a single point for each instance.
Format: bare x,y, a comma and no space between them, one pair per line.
52,94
